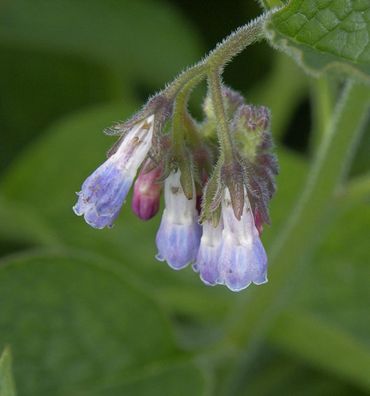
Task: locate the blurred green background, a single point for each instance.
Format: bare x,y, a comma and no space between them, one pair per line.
89,312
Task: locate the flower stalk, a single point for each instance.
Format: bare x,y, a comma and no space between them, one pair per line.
220,56
214,83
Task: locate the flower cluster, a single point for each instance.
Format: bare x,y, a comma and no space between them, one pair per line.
215,206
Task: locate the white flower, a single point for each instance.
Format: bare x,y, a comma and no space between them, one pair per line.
243,259
179,234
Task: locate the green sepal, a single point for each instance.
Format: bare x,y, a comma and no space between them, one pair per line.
187,178
212,194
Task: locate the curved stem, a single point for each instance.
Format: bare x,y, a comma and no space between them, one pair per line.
236,42
197,72
180,117
222,54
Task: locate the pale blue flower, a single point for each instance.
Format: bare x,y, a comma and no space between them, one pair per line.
209,253
104,191
179,234
243,259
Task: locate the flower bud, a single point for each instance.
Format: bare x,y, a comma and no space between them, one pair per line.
147,192
258,221
249,128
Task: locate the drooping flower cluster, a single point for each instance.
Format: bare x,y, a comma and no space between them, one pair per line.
215,208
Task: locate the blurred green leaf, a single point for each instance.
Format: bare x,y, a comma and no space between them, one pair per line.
282,90
329,325
7,387
337,287
131,38
77,327
324,35
324,345
291,178
38,87
66,54
361,159
276,373
24,225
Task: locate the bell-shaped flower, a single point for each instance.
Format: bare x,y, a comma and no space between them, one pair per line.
104,191
179,234
242,258
209,253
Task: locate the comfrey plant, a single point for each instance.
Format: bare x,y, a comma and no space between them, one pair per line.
217,174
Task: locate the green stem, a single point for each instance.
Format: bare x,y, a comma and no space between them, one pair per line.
198,72
259,307
236,42
215,88
180,118
323,101
222,54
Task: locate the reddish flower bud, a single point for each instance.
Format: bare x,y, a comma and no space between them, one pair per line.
147,192
258,221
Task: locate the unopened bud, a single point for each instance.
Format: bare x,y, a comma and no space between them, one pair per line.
249,128
147,191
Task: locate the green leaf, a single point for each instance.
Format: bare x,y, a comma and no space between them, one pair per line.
324,345
138,39
338,277
328,326
51,85
269,4
274,372
292,174
324,35
282,91
23,226
64,55
76,326
361,159
7,387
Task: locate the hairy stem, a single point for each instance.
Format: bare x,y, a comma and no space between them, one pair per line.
215,88
236,42
222,54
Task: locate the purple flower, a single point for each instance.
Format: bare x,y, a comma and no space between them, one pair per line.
147,192
242,259
104,191
179,234
209,253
